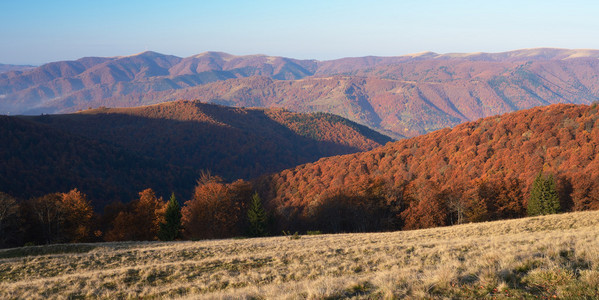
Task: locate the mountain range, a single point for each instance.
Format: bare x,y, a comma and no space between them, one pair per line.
7,68
113,153
401,96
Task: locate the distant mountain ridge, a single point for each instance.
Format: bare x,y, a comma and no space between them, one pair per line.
8,67
402,96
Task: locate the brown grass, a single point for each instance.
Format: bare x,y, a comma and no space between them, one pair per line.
551,256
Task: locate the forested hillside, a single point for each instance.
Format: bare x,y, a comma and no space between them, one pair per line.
476,171
36,160
229,142
111,154
533,162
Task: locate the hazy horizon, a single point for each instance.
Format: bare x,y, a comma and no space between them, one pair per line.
38,32
306,58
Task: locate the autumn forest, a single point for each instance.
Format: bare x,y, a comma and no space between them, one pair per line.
479,171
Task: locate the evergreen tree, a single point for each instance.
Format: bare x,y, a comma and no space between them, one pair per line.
544,198
171,227
257,217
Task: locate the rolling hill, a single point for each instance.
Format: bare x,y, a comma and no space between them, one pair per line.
480,170
402,96
231,142
165,146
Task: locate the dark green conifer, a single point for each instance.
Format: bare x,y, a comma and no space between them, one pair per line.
171,227
257,217
544,198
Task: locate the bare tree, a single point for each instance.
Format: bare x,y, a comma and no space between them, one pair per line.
9,210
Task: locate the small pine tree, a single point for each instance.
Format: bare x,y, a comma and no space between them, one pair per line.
171,227
552,204
257,217
544,198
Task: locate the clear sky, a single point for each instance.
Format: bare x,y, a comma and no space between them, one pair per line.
36,32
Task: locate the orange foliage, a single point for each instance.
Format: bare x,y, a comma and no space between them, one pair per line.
371,207
140,221
78,214
216,209
482,169
426,206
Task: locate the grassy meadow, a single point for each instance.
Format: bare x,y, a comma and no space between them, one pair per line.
553,256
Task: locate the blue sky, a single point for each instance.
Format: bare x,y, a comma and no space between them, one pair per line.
36,32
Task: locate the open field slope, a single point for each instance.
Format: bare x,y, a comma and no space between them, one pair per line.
554,256
403,95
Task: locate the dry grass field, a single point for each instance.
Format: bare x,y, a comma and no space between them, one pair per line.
542,257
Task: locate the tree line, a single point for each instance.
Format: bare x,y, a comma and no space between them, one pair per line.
221,210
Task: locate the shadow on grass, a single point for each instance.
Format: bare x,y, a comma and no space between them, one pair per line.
45,250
